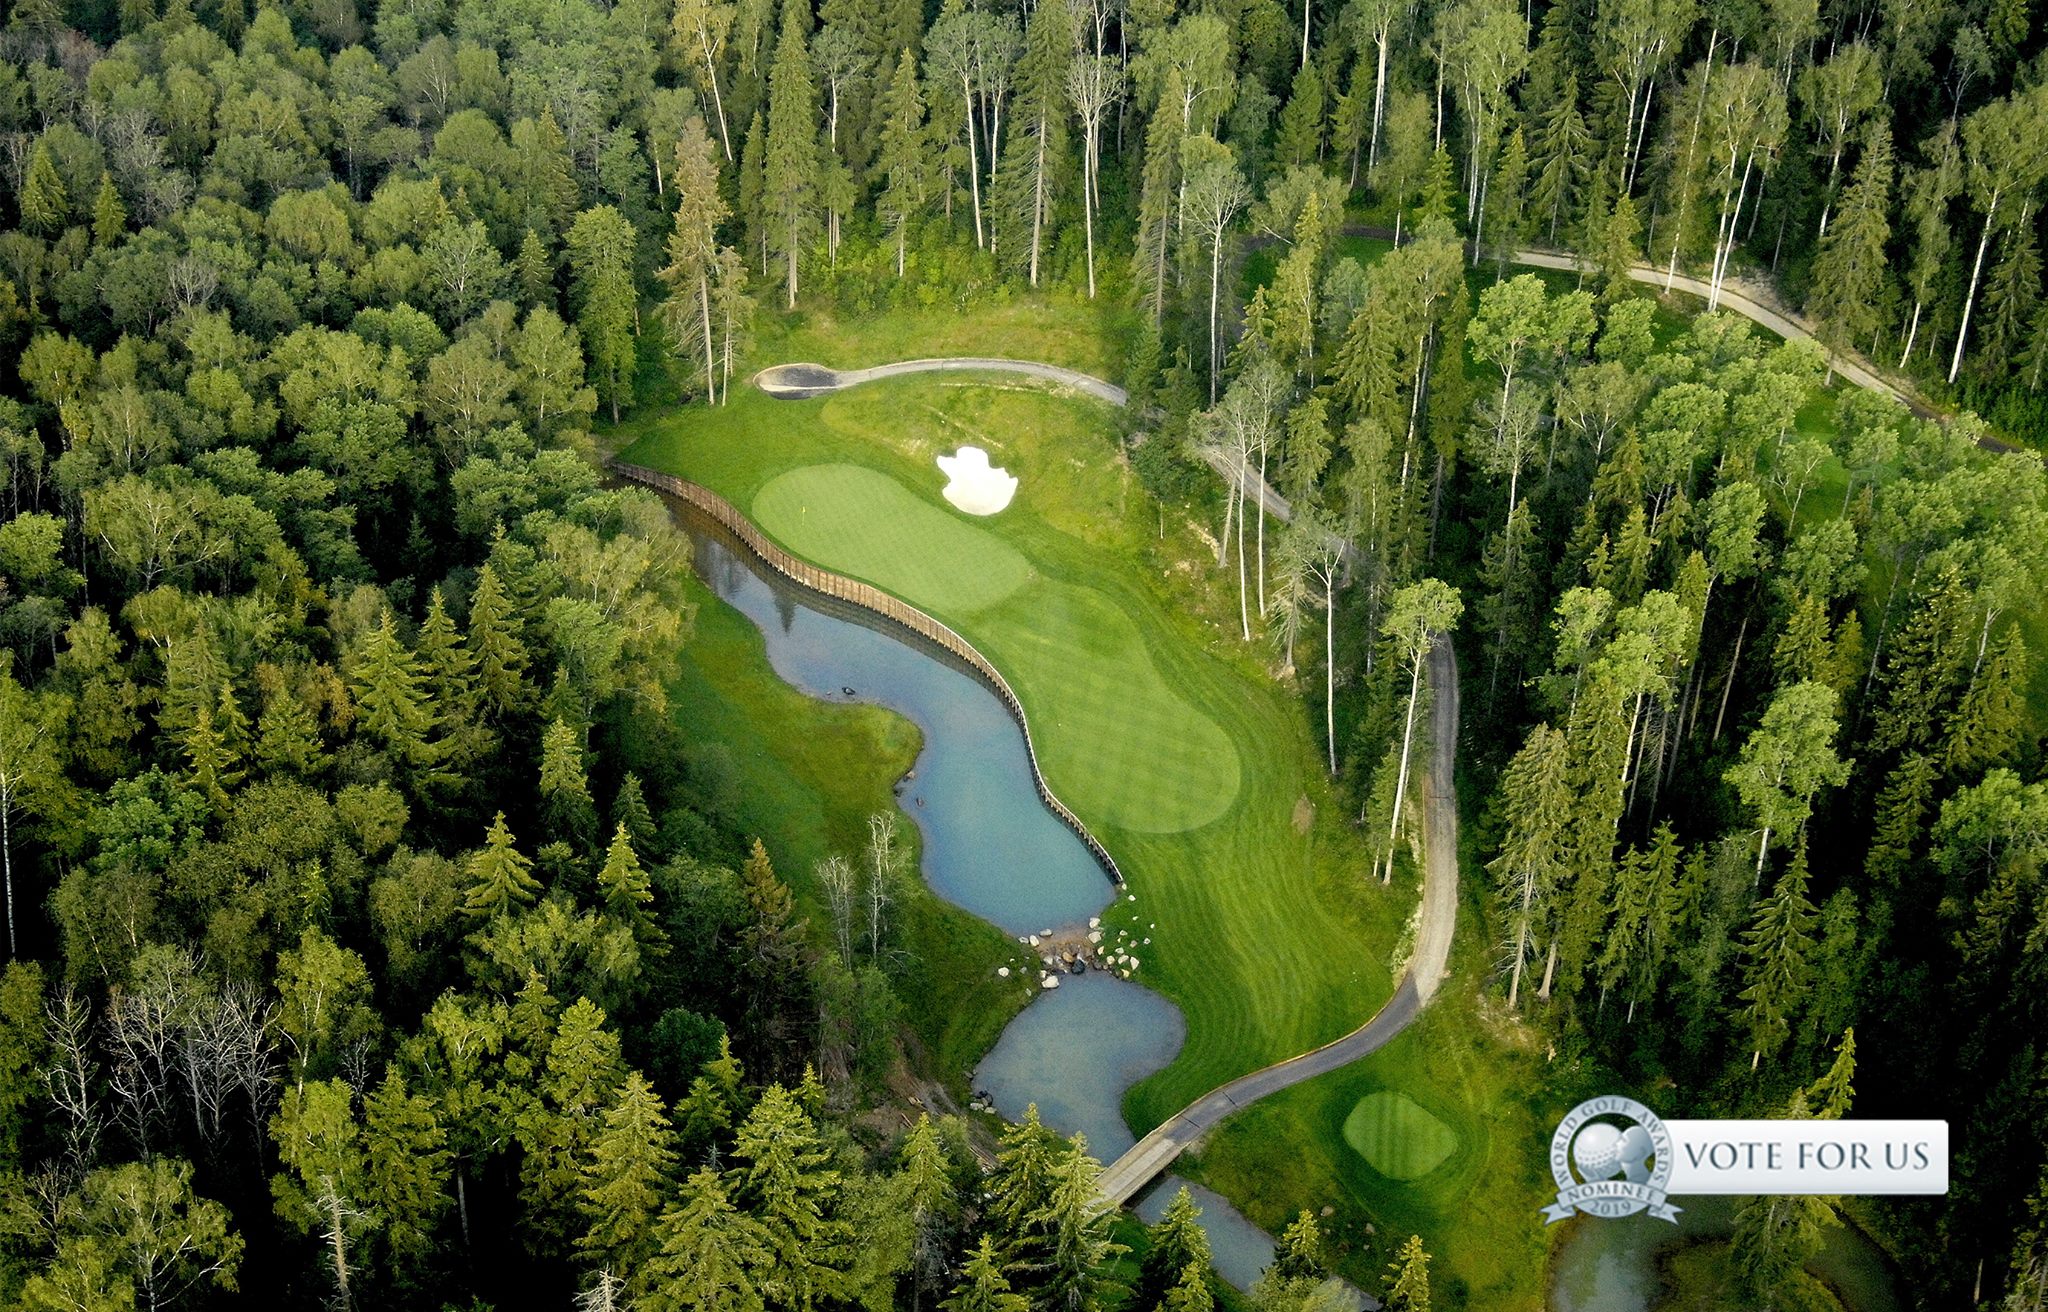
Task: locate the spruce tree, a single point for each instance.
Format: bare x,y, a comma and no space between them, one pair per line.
288,734
693,253
600,246
1989,722
109,215
500,878
1777,968
713,1254
1078,1249
1408,1291
627,893
495,643
534,271
902,161
926,1176
625,1180
1564,165
42,202
1176,1242
785,1178
566,806
1852,266
790,171
983,1287
1191,1293
392,705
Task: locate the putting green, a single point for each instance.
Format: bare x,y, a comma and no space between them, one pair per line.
866,524
1119,743
1397,1136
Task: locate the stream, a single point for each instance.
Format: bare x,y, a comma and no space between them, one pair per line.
992,848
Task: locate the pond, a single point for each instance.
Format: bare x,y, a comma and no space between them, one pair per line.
991,847
1611,1265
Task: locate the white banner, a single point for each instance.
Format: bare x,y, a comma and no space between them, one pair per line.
1808,1157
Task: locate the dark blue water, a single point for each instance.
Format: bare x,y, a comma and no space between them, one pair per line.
991,847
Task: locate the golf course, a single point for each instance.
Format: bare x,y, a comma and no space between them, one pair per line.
1163,732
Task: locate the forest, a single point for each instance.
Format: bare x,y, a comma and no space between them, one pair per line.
375,935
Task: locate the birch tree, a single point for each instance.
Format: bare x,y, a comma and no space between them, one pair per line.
1418,616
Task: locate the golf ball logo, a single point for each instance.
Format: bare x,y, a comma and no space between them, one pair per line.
1611,1157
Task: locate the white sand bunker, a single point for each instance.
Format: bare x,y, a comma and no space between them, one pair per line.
973,485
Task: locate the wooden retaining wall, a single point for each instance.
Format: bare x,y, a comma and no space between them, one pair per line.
872,599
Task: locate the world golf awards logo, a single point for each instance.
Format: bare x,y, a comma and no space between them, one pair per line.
1611,1157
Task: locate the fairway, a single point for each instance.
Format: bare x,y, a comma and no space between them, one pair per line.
866,524
1162,729
1397,1136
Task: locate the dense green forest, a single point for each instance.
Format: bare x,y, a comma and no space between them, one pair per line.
375,932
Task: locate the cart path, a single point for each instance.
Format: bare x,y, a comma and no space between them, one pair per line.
1130,1173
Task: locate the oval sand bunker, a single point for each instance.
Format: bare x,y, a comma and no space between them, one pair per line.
973,485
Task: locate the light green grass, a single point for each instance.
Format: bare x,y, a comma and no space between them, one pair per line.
808,775
1269,936
1397,1136
867,525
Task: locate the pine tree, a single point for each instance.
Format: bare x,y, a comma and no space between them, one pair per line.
287,734
600,246
500,878
42,202
627,893
494,640
693,252
534,271
1777,968
785,1179
1852,266
790,171
109,215
983,1287
391,704
1175,1243
1989,721
926,1175
566,806
1076,1225
713,1254
1408,1291
625,1180
1158,198
902,161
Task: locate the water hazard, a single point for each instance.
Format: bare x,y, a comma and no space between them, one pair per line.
991,847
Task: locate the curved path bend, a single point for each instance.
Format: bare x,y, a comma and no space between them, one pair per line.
1127,1175
796,381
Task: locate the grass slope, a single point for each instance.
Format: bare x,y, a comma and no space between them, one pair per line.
1263,929
806,775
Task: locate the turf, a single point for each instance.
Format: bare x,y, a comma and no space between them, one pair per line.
868,526
1165,732
1397,1136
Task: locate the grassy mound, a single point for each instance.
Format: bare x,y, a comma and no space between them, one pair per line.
1398,1136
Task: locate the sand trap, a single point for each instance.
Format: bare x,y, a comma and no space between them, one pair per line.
973,485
